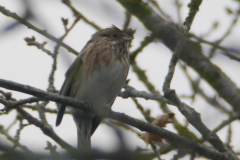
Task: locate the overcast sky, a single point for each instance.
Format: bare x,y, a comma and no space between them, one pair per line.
28,65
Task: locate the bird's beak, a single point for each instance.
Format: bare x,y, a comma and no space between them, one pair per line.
127,37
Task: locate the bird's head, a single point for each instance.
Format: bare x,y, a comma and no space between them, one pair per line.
114,34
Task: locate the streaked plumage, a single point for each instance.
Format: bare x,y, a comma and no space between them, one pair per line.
97,76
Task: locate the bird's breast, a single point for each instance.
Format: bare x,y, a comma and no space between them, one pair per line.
104,71
103,85
104,54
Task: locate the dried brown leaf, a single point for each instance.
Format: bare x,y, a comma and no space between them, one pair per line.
160,121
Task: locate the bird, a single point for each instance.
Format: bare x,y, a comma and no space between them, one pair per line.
96,76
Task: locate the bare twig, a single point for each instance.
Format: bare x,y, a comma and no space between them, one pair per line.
182,141
54,154
217,46
32,42
147,40
233,23
172,64
179,6
229,137
155,3
17,136
147,117
11,125
77,13
213,28
120,124
47,110
225,123
11,139
149,120
182,130
155,150
51,87
196,89
12,104
127,21
132,92
46,129
41,111
192,53
30,26
194,118
194,6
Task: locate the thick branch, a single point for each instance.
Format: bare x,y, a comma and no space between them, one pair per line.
46,129
191,53
175,139
194,118
132,92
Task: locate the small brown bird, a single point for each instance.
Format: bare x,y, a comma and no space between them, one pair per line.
97,76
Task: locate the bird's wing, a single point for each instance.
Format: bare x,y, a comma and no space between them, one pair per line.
71,83
71,76
96,121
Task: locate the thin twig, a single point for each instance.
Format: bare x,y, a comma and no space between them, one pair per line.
77,13
225,123
229,137
194,6
155,3
17,136
233,23
194,118
188,143
132,92
172,64
149,120
51,87
217,46
169,34
147,40
196,89
147,117
124,126
46,129
179,6
41,111
127,21
155,150
32,42
182,130
12,104
11,125
42,32
11,139
47,110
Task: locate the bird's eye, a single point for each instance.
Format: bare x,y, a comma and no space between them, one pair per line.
114,35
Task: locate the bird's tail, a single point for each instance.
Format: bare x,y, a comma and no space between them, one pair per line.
84,127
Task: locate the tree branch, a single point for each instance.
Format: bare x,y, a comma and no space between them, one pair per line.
42,32
46,129
175,139
191,53
132,92
194,118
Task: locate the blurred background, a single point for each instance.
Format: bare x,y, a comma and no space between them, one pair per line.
30,66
